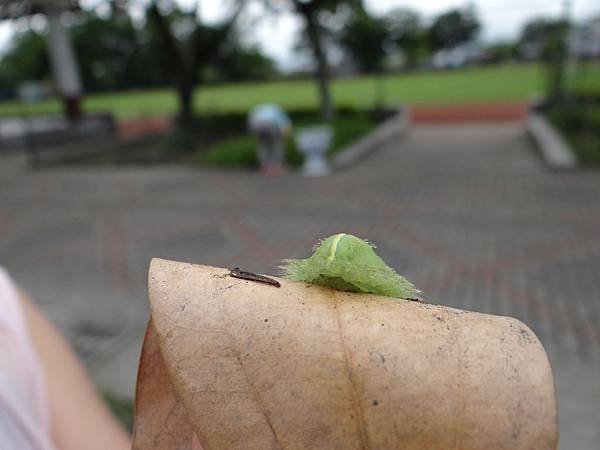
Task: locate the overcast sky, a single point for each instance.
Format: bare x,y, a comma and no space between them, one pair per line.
501,19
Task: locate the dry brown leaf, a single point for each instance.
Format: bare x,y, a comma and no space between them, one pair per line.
160,419
246,365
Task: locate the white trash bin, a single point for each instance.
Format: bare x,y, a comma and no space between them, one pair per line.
313,143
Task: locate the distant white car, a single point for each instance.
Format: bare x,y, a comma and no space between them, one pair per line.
458,56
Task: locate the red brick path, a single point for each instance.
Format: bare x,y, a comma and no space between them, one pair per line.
132,128
473,112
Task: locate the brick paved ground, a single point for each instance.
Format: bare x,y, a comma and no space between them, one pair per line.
467,212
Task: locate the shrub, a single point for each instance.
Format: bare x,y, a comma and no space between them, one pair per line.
232,152
240,151
581,126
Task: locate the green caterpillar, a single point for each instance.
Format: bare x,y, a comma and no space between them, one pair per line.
348,263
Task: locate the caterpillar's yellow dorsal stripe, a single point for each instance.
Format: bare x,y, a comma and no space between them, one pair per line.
334,244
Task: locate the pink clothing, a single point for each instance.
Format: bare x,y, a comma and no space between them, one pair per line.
24,413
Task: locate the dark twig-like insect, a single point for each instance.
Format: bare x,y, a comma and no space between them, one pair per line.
237,273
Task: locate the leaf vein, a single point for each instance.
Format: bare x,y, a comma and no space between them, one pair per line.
364,440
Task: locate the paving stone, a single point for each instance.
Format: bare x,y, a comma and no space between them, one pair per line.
468,212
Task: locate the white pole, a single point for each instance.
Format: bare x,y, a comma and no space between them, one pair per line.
64,64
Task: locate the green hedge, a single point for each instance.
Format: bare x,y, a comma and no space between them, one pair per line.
581,126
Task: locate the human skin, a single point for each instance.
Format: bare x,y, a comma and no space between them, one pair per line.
79,418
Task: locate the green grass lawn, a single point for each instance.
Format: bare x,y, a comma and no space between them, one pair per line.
492,83
497,83
585,78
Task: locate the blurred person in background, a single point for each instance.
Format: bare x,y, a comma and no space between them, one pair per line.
47,402
270,124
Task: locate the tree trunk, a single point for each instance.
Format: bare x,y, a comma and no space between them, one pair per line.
65,68
322,70
181,70
185,94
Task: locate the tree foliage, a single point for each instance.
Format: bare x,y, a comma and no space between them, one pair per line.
547,39
452,28
25,59
365,37
314,32
113,53
535,30
406,31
